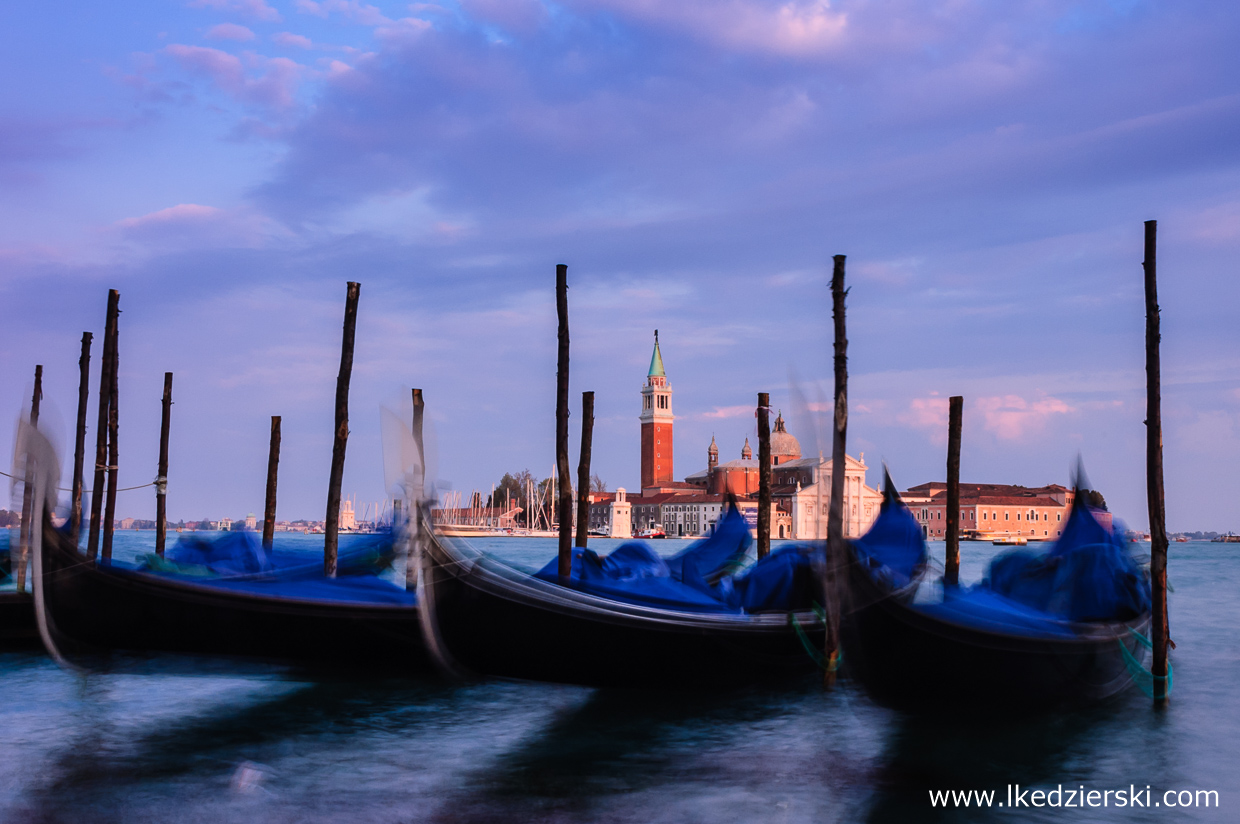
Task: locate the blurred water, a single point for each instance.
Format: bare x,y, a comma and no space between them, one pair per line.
128,748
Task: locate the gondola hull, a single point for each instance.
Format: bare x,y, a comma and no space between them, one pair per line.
92,611
490,619
908,660
17,624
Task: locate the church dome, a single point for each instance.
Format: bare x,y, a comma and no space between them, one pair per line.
783,445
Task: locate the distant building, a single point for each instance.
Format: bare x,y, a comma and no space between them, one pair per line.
996,510
348,519
251,523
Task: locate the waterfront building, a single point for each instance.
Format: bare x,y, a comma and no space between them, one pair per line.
989,511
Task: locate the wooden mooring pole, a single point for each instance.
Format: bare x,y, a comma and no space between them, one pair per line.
561,425
1160,632
161,479
583,468
273,466
331,526
30,519
764,474
835,518
109,509
416,494
101,429
79,444
951,564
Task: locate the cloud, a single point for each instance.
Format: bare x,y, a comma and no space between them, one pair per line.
785,27
1011,417
927,413
362,13
196,226
229,31
403,31
256,9
274,86
516,16
181,213
722,412
292,41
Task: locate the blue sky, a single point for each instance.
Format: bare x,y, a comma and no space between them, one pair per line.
986,167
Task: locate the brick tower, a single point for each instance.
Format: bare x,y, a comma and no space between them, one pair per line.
656,421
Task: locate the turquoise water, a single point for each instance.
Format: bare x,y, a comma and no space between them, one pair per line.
128,748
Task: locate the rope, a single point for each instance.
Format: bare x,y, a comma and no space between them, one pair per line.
1143,678
815,654
88,491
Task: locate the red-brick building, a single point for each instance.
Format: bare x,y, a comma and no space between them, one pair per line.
656,421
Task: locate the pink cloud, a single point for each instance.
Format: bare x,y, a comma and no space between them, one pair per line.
292,41
401,31
256,9
1011,416
229,31
358,12
182,213
926,413
794,27
275,87
721,412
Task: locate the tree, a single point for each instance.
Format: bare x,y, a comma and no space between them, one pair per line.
1094,498
597,484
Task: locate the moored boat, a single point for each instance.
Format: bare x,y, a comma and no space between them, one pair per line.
1001,645
644,628
86,610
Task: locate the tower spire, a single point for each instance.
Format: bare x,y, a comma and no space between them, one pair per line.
656,360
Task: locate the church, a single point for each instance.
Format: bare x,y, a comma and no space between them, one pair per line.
800,486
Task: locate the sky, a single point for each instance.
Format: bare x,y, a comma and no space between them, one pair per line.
986,167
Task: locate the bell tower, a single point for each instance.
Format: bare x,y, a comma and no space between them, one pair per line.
656,421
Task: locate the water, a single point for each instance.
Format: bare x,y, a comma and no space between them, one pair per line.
129,748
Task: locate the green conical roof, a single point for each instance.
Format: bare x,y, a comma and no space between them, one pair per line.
656,360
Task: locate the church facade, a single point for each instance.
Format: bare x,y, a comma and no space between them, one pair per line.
800,486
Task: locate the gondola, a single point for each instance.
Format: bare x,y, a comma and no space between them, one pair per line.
17,625
88,610
978,650
484,617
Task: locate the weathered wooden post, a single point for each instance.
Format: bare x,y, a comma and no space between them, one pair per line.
331,526
416,494
835,516
764,474
1160,632
583,468
273,466
951,565
161,480
101,430
79,445
109,509
561,425
30,519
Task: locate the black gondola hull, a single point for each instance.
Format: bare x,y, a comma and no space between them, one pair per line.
491,620
911,661
17,625
92,611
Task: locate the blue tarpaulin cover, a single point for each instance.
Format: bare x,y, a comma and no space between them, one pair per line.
1087,575
893,548
238,562
241,553
698,579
